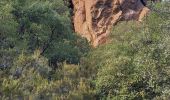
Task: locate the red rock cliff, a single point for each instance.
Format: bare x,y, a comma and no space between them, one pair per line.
93,19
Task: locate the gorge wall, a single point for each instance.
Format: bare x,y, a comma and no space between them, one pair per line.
93,19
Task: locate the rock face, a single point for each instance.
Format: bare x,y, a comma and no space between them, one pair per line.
93,19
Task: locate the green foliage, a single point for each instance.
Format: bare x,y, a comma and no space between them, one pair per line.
36,45
42,58
135,65
45,25
50,27
32,77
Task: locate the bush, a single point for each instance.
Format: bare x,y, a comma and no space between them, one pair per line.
32,77
135,65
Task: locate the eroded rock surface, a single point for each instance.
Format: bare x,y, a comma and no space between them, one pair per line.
93,19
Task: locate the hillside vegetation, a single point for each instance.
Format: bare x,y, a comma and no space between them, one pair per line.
41,58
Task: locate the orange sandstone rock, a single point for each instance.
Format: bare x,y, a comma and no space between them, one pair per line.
93,19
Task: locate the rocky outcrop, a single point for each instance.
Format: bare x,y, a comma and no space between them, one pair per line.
93,19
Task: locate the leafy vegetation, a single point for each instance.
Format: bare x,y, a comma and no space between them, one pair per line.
41,58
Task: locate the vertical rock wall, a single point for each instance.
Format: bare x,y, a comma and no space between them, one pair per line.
93,19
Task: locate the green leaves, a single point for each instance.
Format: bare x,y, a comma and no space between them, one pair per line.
134,66
37,48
